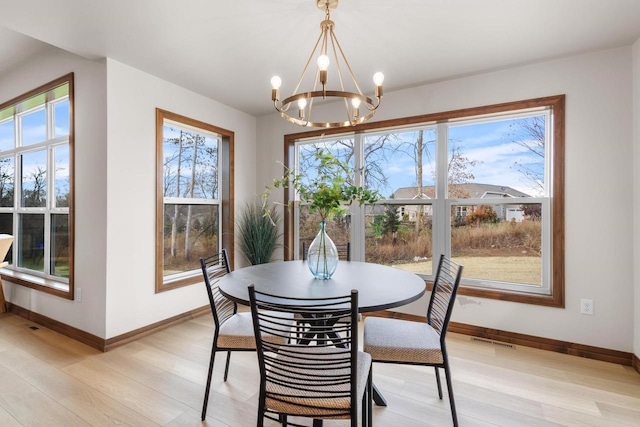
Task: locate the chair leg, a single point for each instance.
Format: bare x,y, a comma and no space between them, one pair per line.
260,422
370,387
226,368
208,386
447,374
317,423
438,382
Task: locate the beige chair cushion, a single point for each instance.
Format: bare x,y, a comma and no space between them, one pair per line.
237,332
394,340
307,403
5,243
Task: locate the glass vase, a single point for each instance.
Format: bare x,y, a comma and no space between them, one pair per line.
322,257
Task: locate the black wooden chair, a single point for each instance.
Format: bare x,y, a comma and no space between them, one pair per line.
417,343
325,378
234,331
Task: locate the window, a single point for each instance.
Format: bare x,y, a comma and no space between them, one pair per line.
484,186
194,217
36,187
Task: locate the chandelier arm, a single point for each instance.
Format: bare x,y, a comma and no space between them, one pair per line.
346,107
310,109
335,55
373,107
304,71
345,61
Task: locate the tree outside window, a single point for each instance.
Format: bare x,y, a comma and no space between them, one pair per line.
191,188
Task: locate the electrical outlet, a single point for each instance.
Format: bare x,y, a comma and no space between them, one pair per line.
586,306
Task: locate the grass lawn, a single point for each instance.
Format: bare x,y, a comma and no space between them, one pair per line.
517,269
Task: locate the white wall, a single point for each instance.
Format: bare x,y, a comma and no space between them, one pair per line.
132,98
90,186
599,176
636,204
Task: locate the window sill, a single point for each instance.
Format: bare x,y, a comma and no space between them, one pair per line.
554,300
49,286
179,282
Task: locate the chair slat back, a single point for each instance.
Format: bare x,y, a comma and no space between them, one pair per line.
443,295
322,369
344,251
214,268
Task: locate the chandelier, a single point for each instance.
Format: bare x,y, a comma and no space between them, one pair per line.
327,46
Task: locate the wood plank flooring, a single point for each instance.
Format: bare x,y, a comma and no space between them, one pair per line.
47,379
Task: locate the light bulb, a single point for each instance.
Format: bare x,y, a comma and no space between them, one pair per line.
355,102
323,62
302,102
378,79
276,82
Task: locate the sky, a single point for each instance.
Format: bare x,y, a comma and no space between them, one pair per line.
33,130
490,150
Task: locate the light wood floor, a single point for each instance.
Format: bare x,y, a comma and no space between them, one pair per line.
49,380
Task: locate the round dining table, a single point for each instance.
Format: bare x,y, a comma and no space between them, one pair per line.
379,287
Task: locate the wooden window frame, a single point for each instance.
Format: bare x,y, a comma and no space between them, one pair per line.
226,190
49,285
554,103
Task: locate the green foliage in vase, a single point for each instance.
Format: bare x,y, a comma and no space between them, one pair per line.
327,194
258,233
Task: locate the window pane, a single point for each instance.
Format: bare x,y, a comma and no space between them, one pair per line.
31,238
60,245
497,159
61,183
499,242
190,163
34,127
6,227
309,164
190,232
394,237
6,182
7,137
61,121
34,179
338,229
396,164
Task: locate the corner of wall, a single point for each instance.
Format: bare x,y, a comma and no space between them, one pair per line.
635,52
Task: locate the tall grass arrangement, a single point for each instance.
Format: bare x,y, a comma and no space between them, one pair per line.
258,233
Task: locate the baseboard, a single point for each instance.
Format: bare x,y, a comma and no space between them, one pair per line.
119,340
97,342
59,327
590,352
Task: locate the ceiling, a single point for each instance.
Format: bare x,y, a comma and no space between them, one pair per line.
229,50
